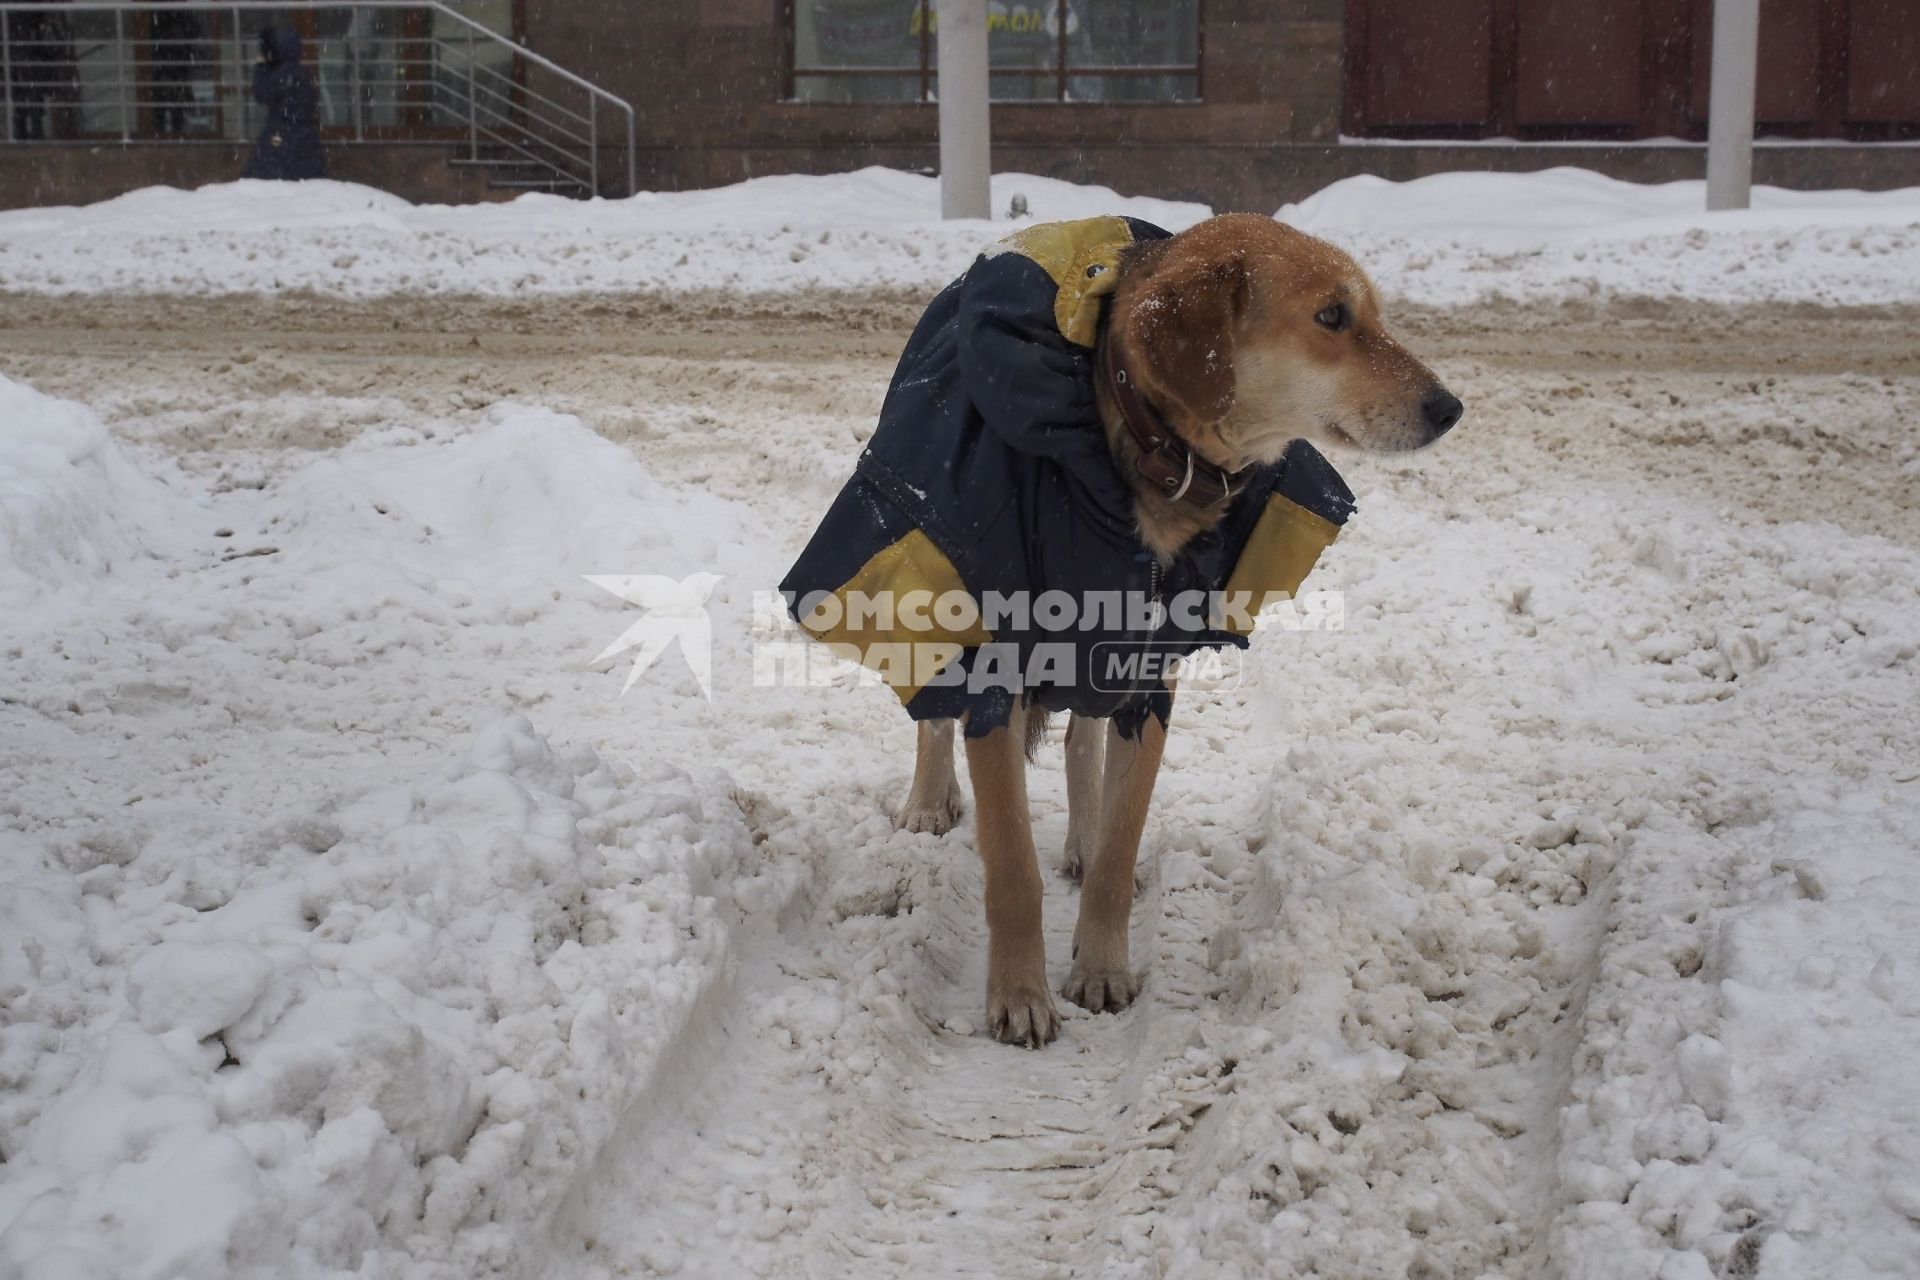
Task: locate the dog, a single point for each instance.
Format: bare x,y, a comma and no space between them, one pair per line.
1102,408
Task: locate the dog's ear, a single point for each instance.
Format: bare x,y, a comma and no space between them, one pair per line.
1183,324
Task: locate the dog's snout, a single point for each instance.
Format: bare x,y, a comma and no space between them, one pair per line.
1442,409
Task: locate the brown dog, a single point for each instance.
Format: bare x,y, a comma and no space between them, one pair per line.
1244,335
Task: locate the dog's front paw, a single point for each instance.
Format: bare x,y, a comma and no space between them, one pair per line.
935,817
1100,987
1076,855
1022,1013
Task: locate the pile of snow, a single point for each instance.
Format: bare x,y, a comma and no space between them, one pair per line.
1515,210
1757,1117
1527,897
274,1016
387,1043
871,229
1451,239
1572,235
72,507
524,503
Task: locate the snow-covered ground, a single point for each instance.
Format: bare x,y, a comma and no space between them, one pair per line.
1571,235
1565,235
1558,917
875,229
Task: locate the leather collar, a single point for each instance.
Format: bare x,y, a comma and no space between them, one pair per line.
1169,465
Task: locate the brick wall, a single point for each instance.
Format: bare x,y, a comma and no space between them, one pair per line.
706,78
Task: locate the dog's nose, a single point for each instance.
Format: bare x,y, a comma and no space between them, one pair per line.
1442,409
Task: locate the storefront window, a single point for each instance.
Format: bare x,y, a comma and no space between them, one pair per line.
1039,50
397,72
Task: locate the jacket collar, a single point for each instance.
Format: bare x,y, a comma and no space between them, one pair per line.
1175,471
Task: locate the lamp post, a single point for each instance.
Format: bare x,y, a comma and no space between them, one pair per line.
1736,54
966,163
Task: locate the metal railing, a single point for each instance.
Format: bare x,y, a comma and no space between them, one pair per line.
385,70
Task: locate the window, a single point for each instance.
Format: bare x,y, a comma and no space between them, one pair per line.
183,71
1038,50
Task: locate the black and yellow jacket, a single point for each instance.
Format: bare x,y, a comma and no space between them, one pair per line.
990,473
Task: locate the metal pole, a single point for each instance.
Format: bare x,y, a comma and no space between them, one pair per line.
356,30
633,160
593,143
966,162
244,91
473,102
1736,55
120,69
6,67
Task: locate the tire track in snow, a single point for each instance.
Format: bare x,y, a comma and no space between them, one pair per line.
857,1125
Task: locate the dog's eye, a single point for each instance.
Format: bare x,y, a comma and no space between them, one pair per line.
1334,318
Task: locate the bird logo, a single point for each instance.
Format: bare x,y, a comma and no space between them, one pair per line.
675,610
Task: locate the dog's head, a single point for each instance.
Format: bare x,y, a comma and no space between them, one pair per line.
1250,334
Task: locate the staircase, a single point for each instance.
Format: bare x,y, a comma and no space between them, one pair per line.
532,126
381,68
510,166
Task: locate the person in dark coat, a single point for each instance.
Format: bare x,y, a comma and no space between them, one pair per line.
289,143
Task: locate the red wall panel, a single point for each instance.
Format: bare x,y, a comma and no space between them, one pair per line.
1549,69
1577,62
1427,62
1883,60
1789,73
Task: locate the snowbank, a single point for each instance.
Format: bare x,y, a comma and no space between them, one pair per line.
1547,902
72,508
871,229
276,1018
388,1044
1451,239
1571,235
1514,210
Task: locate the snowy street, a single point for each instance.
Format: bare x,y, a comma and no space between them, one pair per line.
1556,917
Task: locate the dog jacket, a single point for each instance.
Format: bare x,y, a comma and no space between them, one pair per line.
989,479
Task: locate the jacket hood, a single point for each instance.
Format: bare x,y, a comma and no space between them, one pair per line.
281,43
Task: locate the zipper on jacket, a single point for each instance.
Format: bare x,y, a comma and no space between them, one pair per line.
1153,600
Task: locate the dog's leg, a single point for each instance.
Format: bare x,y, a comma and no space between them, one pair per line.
1101,977
1086,745
1019,1005
933,801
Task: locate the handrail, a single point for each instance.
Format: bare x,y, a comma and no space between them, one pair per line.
475,87
533,93
516,116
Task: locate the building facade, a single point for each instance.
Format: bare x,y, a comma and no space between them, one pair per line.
1237,103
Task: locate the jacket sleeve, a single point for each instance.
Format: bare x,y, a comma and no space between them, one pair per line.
1031,384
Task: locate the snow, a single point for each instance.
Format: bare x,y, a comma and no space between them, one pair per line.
412,1011
1554,918
1572,235
69,501
1455,239
876,228
1514,210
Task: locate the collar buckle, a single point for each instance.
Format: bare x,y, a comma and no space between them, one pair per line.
1165,459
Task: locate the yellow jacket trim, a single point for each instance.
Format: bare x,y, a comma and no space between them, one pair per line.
903,642
1083,258
1285,545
